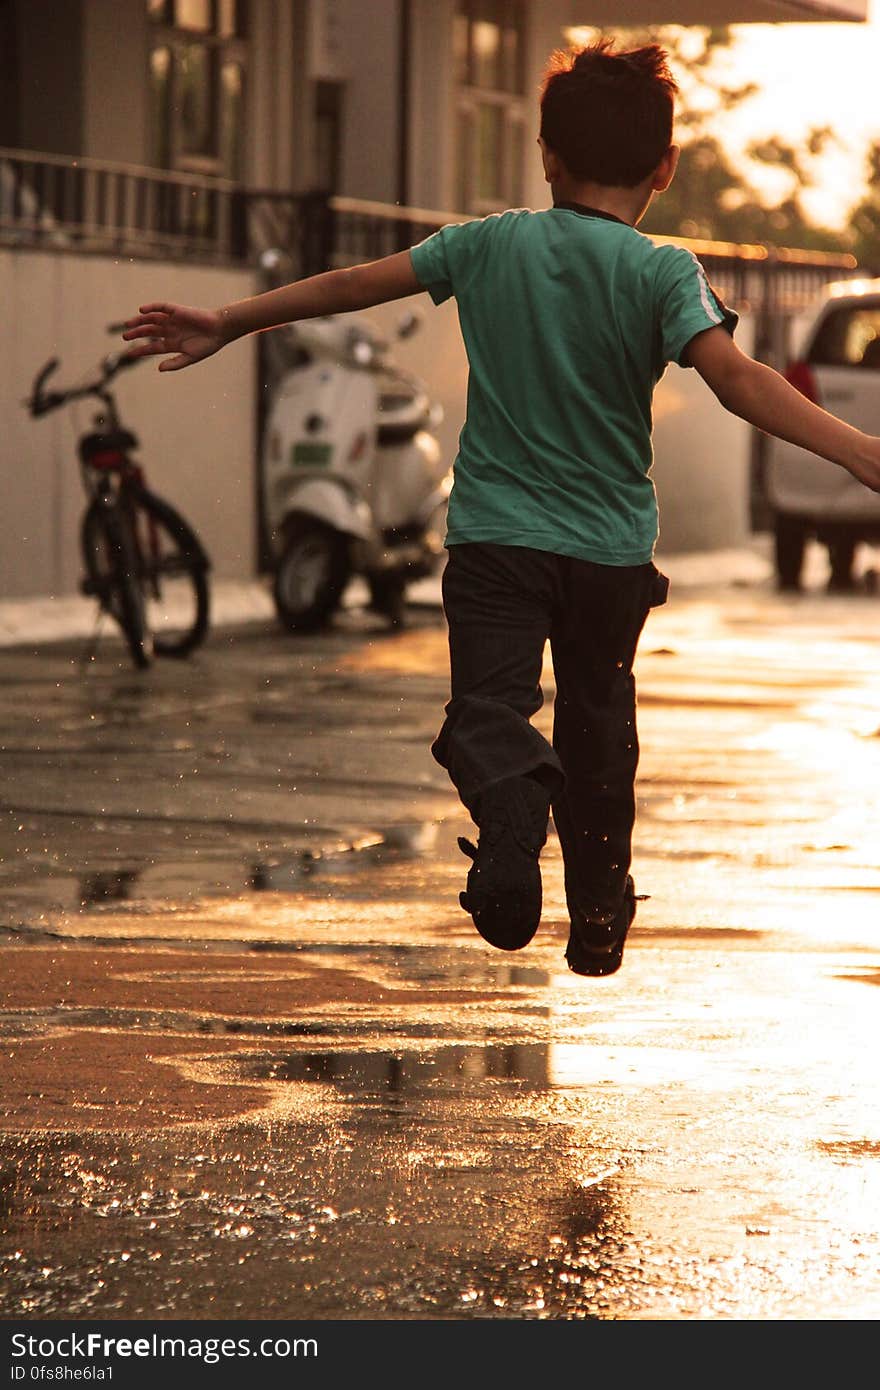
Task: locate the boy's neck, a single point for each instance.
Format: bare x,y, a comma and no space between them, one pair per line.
629,204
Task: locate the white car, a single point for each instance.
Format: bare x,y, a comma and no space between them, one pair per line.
837,364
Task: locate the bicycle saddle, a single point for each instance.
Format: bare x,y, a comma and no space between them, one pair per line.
111,441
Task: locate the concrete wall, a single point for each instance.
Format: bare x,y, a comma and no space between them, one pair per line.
701,462
431,97
83,78
116,81
50,82
197,427
276,141
370,63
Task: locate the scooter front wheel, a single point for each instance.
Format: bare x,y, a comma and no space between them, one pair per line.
311,575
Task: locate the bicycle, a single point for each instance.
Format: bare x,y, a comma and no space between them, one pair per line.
143,562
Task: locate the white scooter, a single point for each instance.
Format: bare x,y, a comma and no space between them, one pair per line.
353,478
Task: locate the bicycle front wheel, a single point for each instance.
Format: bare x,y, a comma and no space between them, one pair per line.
173,570
110,558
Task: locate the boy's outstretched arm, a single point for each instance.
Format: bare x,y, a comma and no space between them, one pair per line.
193,334
760,395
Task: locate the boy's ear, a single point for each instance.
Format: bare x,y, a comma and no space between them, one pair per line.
549,160
665,171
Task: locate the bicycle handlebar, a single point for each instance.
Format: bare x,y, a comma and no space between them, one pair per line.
40,401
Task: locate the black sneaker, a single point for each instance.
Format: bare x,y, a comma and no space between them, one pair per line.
504,894
596,948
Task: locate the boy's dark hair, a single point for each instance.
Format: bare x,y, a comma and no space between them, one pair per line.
608,115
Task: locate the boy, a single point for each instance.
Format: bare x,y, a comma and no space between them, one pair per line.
569,317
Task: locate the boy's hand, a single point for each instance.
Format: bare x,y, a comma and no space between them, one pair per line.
190,334
193,334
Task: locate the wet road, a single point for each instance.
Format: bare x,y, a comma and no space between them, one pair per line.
257,1063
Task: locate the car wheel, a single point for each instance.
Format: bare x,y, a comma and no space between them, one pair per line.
841,555
790,535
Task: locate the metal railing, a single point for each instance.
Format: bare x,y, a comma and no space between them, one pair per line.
60,203
365,230
758,278
57,202
749,277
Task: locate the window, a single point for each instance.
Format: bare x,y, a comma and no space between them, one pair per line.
196,100
160,105
196,15
232,118
488,45
328,135
198,66
849,338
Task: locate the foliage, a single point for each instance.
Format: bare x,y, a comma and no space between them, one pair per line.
865,216
715,194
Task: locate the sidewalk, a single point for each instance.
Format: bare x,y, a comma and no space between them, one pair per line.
46,619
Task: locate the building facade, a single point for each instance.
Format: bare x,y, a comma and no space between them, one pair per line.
147,147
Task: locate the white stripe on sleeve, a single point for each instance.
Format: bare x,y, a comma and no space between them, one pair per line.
705,295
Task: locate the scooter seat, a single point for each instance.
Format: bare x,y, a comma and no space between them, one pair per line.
399,432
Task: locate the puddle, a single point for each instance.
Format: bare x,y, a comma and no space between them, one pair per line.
213,872
407,964
364,1073
114,885
423,963
23,1024
280,874
466,1069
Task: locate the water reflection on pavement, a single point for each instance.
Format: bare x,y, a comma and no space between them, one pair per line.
259,1065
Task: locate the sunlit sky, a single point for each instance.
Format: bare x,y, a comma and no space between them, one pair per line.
811,75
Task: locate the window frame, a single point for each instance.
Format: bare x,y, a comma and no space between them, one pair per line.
221,49
828,332
471,98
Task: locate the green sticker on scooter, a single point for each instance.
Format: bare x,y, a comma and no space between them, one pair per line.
308,455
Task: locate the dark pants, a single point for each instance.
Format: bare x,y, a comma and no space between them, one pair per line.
502,604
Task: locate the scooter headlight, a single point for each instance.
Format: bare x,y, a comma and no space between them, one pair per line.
362,352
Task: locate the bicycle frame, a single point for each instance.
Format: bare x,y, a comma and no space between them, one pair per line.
111,470
134,543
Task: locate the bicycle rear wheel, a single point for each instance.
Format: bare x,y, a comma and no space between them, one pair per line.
173,569
111,566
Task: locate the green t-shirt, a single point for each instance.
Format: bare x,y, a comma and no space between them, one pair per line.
569,319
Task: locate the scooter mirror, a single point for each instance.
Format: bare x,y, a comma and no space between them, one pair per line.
271,259
362,352
408,324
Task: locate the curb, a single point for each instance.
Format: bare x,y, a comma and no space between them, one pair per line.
45,620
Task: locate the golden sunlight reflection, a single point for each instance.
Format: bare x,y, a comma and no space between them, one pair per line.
827,749
586,1064
840,1070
